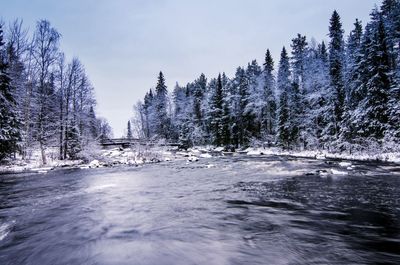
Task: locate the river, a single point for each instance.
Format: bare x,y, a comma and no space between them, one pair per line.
225,210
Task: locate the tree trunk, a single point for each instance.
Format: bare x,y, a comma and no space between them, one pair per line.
43,153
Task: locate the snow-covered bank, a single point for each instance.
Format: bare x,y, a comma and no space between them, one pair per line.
384,157
140,155
133,156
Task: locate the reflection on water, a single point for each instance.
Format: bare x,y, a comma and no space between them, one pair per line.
240,210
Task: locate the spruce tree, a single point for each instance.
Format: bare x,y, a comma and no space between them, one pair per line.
9,122
217,112
198,96
243,115
93,124
353,57
129,131
352,84
336,53
297,97
284,87
373,109
162,125
269,109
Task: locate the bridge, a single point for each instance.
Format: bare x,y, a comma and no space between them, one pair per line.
125,142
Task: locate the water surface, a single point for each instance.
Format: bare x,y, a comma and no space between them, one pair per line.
238,210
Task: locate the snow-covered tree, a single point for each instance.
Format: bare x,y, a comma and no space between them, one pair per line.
284,88
9,123
162,121
336,70
129,131
269,108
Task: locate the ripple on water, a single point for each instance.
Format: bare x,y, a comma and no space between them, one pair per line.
5,229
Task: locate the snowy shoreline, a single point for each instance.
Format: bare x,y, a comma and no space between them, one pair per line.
134,157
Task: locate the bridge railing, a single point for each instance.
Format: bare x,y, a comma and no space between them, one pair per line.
128,142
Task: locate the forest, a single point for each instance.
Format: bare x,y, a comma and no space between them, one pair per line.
46,102
339,96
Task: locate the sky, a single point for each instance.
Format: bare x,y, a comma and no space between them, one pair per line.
125,43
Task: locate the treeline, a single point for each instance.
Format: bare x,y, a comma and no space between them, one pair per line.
45,102
340,96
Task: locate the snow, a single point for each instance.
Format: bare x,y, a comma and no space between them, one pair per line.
338,172
193,159
94,164
345,164
254,152
140,155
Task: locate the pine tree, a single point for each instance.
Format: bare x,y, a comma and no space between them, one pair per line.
284,87
198,96
9,123
162,125
93,124
226,117
270,107
297,97
336,53
372,111
149,115
299,50
243,113
217,112
316,97
129,131
390,11
353,56
255,101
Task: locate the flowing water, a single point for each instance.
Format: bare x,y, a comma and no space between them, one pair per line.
237,210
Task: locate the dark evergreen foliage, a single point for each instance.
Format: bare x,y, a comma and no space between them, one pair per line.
343,97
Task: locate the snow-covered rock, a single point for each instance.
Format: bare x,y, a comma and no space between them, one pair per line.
338,172
195,151
255,152
139,161
193,158
42,169
345,164
206,156
219,149
185,154
94,164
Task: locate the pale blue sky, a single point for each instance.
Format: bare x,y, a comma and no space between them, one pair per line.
124,44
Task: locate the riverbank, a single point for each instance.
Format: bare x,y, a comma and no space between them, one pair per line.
139,155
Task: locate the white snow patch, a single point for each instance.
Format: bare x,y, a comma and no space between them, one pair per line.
254,152
185,154
338,172
193,159
206,156
94,164
345,164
